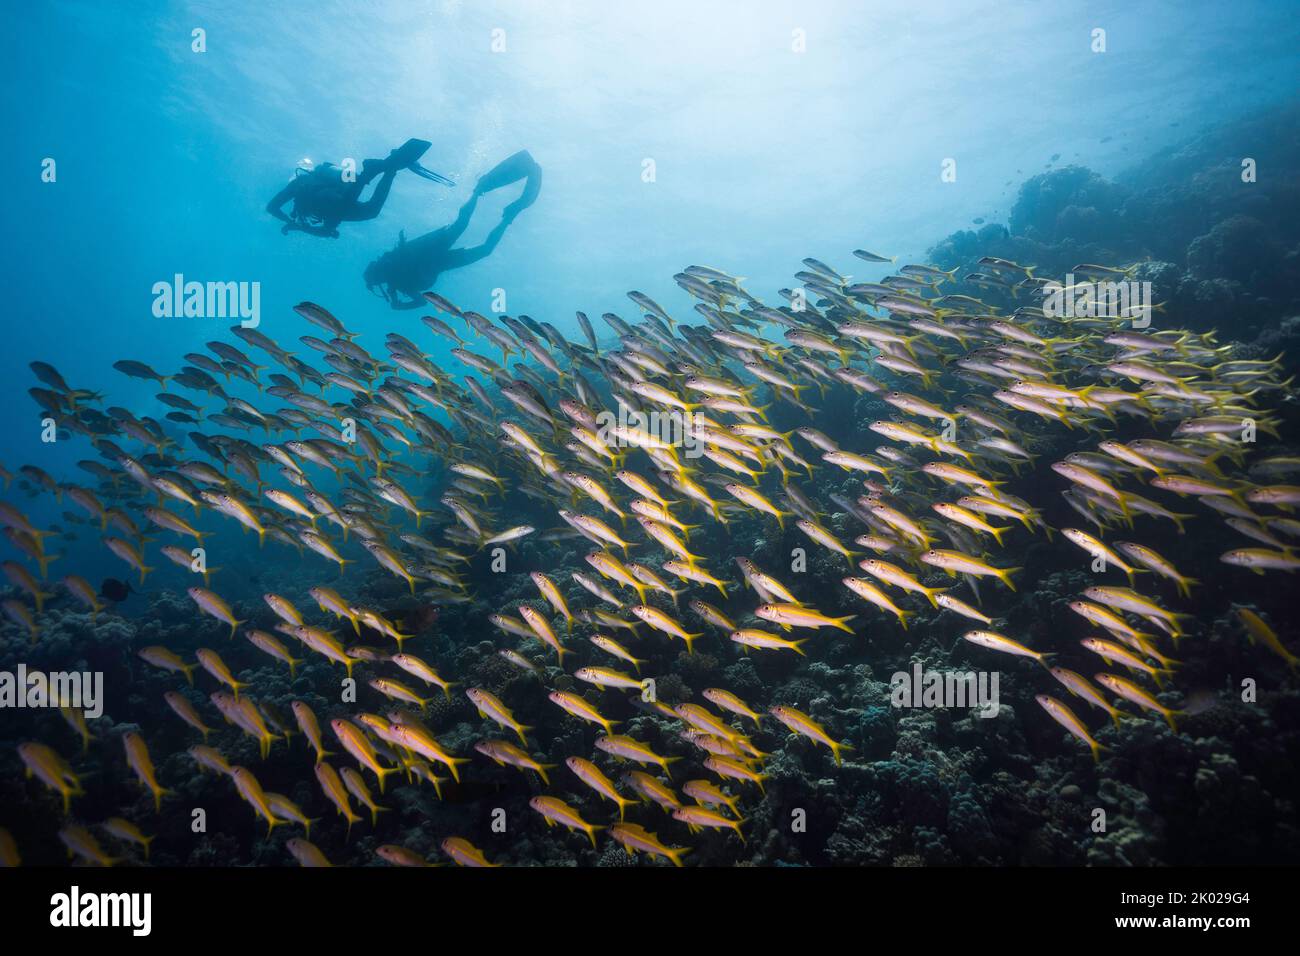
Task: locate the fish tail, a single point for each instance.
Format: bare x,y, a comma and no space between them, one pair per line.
842,622
44,561
837,749
382,773
456,762
1005,576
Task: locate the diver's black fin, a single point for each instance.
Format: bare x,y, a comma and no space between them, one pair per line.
408,153
430,174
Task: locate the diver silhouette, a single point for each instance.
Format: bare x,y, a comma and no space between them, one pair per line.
323,197
413,266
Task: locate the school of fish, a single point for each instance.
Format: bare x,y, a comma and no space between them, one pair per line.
329,463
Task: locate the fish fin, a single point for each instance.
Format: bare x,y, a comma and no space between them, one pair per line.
836,749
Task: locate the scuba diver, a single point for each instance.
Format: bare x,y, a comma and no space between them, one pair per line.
402,274
322,198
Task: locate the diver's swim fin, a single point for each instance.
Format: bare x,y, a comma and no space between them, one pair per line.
407,156
430,174
510,170
408,153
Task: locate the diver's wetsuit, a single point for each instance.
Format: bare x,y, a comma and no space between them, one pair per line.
322,198
403,273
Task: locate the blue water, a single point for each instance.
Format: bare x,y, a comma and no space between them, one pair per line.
763,155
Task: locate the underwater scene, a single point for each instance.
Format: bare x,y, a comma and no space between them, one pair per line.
520,434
